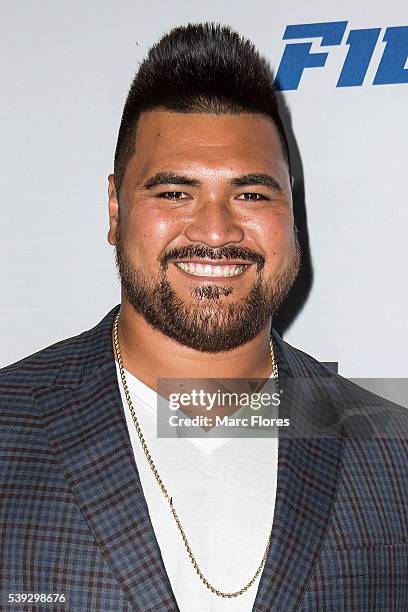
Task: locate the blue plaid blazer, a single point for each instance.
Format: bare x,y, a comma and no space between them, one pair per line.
74,519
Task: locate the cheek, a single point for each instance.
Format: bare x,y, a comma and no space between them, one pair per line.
274,231
278,241
150,233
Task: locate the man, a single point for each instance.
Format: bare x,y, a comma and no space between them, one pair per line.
100,509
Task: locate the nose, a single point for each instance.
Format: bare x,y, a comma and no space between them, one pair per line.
214,225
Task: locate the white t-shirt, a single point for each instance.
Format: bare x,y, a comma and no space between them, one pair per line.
223,491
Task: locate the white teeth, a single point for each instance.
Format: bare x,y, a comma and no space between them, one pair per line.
208,270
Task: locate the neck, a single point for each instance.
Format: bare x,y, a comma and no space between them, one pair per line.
148,354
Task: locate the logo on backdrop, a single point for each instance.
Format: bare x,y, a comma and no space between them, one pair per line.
297,56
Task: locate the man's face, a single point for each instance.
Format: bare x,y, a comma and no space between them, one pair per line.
206,247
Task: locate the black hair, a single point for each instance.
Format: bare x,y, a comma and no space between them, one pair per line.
200,68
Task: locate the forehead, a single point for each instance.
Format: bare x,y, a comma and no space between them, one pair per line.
189,139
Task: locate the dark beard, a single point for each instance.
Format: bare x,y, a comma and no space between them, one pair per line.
208,324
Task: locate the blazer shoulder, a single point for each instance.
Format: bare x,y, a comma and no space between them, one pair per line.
301,363
363,412
39,368
67,363
75,356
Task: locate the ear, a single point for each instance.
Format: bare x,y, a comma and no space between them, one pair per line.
113,207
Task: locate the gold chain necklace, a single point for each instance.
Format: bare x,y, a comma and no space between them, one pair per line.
161,484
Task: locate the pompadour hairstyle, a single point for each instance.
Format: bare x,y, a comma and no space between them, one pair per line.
198,68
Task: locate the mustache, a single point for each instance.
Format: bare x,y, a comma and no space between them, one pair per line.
192,251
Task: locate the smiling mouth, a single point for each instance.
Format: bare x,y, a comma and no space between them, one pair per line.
212,270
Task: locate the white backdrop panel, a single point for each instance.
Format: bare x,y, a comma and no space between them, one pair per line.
66,68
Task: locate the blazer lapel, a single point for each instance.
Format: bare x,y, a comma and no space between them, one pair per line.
308,474
84,417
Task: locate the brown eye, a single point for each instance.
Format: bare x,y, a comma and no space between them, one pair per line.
173,195
252,197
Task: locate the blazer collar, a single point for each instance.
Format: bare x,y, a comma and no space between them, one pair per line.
83,413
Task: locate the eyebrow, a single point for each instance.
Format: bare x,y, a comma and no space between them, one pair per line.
245,180
170,178
256,179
